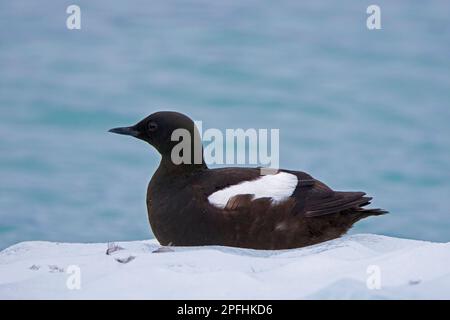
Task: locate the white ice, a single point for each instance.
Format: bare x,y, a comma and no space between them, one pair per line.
354,267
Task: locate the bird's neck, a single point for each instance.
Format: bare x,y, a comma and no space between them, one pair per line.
182,157
168,167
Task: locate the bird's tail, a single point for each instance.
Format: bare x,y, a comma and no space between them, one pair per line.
373,212
361,213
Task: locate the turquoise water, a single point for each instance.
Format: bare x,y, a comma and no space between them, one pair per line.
358,109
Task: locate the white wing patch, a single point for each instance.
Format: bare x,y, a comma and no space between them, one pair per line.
276,186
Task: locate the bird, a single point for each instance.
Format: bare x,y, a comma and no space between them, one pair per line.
189,204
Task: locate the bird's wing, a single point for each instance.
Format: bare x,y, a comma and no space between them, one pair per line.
310,197
337,202
317,199
239,201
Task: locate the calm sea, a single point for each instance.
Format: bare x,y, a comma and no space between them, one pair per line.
358,109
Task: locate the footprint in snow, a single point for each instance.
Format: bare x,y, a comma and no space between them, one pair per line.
125,260
54,268
162,250
112,247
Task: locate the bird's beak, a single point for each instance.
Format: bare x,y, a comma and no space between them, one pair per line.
129,131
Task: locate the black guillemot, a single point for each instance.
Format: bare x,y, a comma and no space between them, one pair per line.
191,205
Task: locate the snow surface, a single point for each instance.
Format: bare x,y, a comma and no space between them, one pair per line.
337,269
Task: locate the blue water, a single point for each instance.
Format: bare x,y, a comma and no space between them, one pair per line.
358,109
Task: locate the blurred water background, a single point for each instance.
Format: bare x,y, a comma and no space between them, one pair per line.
358,109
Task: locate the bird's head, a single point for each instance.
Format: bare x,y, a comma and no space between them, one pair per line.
164,130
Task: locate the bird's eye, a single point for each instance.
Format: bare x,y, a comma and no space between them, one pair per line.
152,126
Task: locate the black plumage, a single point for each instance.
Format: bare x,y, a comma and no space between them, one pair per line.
181,215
